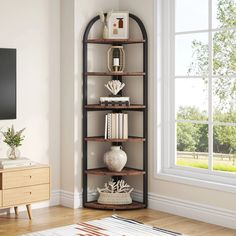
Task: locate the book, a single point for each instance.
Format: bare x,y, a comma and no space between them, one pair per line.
121,125
10,161
113,125
109,126
125,126
114,99
16,165
117,125
106,118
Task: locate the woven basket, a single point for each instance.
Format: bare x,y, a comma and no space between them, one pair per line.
115,198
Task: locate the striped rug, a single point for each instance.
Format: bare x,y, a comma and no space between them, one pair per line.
110,226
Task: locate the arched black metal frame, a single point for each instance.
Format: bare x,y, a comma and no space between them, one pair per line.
145,103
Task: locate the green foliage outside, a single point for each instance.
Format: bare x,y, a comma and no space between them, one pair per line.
194,137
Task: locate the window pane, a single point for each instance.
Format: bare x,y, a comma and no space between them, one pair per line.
191,15
192,145
224,52
224,99
224,148
191,54
191,99
223,13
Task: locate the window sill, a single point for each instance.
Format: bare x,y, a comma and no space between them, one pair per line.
173,175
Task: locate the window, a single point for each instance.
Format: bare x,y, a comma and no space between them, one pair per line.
199,38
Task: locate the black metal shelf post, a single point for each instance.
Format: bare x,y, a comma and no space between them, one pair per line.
144,110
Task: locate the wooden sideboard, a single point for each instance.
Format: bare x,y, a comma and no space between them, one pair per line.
23,186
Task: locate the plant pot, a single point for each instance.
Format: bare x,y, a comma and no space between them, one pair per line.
115,159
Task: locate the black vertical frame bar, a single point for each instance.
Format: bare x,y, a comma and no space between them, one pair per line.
145,111
85,100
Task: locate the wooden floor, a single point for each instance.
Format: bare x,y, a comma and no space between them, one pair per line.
59,216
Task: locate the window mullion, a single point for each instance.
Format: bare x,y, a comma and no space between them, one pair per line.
210,95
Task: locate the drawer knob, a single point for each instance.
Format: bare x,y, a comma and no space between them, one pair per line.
28,176
29,193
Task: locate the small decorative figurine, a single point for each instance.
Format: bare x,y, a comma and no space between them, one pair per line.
104,17
114,86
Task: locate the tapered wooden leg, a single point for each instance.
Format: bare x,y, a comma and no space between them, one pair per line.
16,210
29,211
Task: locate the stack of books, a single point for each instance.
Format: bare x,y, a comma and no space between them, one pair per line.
6,163
116,126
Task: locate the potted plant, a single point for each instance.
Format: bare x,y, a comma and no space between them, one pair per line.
13,139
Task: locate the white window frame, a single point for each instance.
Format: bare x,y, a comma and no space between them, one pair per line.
164,120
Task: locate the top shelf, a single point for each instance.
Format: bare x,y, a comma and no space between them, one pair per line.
115,41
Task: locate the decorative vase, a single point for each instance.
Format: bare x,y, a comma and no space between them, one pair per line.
105,32
115,159
13,153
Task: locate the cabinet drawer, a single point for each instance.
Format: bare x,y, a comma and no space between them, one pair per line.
25,178
17,196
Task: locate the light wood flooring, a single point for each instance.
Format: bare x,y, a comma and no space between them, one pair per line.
59,216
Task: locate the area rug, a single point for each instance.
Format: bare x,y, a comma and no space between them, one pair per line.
110,226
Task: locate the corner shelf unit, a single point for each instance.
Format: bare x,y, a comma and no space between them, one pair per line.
127,171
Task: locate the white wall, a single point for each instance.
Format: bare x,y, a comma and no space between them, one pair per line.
75,14
33,27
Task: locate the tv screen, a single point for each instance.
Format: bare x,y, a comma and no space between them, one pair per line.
7,83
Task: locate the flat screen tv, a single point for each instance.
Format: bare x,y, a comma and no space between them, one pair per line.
7,83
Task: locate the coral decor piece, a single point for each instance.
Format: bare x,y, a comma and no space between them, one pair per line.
116,193
114,86
116,187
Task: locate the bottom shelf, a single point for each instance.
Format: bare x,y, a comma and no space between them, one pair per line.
96,205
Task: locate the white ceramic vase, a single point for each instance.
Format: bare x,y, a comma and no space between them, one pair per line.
115,159
105,32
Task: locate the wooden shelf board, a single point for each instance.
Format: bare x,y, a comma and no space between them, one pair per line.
102,139
114,73
110,107
115,41
133,205
125,172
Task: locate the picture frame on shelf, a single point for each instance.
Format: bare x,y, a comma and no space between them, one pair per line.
118,25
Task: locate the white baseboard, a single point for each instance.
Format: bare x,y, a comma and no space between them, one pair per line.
70,199
201,212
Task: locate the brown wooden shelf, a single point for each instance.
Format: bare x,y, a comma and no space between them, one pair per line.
102,139
114,73
125,172
115,41
116,107
133,205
